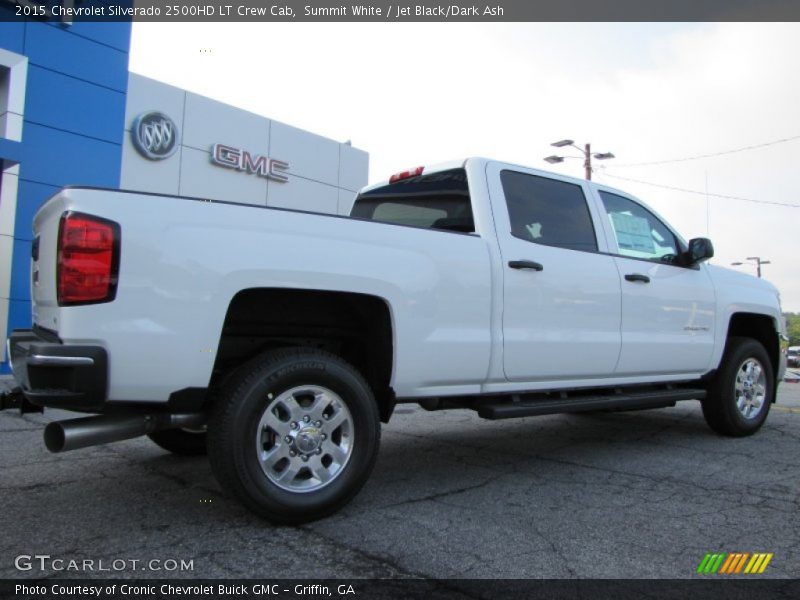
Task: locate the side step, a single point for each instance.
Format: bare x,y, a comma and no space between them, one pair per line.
625,401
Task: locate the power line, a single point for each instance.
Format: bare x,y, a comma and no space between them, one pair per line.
677,189
723,153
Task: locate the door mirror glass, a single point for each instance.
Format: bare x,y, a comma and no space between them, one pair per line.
700,249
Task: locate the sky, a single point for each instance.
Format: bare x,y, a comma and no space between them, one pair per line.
420,93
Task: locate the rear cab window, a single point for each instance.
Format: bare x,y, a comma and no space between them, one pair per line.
438,201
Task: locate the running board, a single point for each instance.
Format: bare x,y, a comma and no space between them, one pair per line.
623,401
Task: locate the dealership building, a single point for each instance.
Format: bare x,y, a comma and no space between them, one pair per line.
72,114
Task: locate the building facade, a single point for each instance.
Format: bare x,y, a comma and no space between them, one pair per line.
216,151
72,114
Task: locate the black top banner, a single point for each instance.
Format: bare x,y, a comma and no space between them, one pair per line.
222,11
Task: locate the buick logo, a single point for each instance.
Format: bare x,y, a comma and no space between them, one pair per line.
154,135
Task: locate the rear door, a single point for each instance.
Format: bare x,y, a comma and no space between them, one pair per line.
668,311
561,294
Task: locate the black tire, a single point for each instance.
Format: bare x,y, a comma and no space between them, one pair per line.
180,441
720,407
239,439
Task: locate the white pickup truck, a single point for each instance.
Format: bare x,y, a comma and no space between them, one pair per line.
278,340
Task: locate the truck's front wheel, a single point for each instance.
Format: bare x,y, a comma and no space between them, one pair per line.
294,434
739,398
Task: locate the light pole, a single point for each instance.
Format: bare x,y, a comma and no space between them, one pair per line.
587,155
757,260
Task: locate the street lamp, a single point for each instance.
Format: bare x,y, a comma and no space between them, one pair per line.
587,155
757,260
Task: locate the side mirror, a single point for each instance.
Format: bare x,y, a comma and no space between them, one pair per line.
700,249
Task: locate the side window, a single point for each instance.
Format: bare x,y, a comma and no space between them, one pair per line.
549,212
638,232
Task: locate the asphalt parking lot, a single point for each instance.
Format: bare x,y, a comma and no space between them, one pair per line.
615,495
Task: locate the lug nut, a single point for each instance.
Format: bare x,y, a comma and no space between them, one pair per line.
324,437
319,450
292,453
326,416
306,418
318,424
288,439
305,458
294,425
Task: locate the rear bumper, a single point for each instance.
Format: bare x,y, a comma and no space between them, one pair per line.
56,375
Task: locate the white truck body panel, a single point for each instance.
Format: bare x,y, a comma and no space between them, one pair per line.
668,325
180,271
741,293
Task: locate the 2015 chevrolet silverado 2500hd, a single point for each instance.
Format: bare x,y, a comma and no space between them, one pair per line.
279,339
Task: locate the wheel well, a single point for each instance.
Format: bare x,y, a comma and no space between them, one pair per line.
356,327
758,327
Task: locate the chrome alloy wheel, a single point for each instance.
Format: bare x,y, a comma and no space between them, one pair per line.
750,388
304,438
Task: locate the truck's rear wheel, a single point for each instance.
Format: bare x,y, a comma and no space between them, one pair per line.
294,434
183,442
740,396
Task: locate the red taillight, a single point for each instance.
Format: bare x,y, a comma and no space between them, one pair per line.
88,259
406,174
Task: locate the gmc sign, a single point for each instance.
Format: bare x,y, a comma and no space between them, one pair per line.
242,160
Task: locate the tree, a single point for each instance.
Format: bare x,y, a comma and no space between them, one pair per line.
793,328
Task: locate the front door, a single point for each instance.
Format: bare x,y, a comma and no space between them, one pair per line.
668,311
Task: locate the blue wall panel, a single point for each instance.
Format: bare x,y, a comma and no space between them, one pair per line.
10,150
82,108
12,36
59,158
116,35
30,198
21,271
59,50
19,311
